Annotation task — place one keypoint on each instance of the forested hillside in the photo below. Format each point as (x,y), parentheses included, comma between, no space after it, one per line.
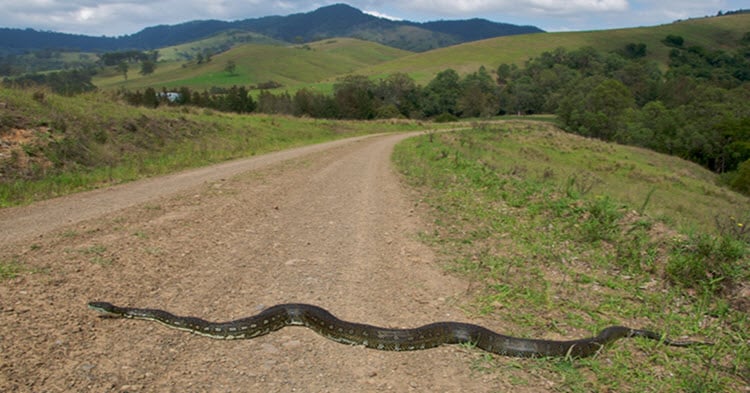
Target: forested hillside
(338,20)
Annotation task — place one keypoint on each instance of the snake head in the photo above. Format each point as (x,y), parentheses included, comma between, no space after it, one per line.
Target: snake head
(107,309)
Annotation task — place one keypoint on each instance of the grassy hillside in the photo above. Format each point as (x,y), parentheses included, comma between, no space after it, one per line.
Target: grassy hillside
(214,44)
(717,32)
(292,66)
(317,64)
(53,145)
(561,236)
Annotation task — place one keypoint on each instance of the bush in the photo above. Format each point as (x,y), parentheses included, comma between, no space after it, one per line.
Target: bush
(674,41)
(740,180)
(445,118)
(707,262)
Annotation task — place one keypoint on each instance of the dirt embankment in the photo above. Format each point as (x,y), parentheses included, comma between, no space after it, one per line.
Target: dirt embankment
(331,226)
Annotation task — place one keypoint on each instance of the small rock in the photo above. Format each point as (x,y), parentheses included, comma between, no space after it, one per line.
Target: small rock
(291,344)
(269,348)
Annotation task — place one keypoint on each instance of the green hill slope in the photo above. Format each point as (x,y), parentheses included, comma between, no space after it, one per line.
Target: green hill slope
(561,235)
(215,44)
(321,62)
(716,32)
(291,66)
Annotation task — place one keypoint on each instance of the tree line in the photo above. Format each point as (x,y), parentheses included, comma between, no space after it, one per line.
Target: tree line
(67,83)
(236,99)
(695,109)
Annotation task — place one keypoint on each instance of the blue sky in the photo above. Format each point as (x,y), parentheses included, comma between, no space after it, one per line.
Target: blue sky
(119,17)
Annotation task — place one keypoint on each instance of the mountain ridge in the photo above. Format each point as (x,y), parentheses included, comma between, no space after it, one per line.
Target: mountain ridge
(338,20)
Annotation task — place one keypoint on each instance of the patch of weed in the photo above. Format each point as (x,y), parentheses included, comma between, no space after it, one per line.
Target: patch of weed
(571,252)
(10,269)
(98,254)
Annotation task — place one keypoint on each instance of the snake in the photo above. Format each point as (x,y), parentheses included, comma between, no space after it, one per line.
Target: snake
(388,339)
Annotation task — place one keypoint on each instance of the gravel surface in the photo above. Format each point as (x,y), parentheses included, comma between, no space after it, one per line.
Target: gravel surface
(329,224)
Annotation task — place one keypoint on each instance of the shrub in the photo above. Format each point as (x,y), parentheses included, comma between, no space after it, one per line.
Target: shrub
(445,118)
(741,178)
(707,262)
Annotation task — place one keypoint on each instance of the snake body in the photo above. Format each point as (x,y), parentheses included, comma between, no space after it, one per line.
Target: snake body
(427,336)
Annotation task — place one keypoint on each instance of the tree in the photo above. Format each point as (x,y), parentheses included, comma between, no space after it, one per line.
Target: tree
(643,78)
(596,107)
(269,103)
(441,94)
(400,92)
(634,51)
(310,103)
(504,72)
(479,95)
(148,67)
(61,82)
(239,100)
(230,67)
(122,67)
(150,99)
(185,96)
(354,96)
(741,179)
(674,41)
(522,97)
(609,98)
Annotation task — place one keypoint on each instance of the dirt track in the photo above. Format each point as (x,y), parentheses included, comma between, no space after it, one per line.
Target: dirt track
(331,225)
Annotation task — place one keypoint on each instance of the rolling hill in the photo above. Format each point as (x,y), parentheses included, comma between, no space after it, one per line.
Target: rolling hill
(722,32)
(291,66)
(318,64)
(338,20)
(217,43)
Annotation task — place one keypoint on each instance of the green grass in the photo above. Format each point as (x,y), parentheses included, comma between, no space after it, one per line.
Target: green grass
(720,33)
(9,269)
(317,65)
(92,141)
(214,44)
(98,254)
(292,66)
(545,226)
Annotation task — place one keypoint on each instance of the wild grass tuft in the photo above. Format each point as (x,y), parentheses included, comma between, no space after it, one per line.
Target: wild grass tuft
(569,251)
(9,269)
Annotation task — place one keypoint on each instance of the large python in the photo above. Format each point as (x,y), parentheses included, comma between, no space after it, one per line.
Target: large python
(427,336)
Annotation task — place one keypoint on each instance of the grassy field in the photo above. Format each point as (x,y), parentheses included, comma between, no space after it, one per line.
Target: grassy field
(292,66)
(67,144)
(317,65)
(213,44)
(562,236)
(716,33)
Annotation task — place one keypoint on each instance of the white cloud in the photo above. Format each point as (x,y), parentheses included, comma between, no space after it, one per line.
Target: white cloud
(381,15)
(476,7)
(576,6)
(117,17)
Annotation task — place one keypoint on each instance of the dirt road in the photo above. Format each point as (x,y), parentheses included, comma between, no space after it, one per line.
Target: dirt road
(330,225)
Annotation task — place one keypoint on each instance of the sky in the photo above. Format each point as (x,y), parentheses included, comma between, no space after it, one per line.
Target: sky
(122,17)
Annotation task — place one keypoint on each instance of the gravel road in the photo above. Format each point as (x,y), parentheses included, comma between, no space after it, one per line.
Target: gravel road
(329,224)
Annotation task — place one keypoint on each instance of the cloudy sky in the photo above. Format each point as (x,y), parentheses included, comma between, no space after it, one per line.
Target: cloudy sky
(120,17)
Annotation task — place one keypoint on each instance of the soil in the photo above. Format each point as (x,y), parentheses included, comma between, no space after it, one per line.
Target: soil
(329,224)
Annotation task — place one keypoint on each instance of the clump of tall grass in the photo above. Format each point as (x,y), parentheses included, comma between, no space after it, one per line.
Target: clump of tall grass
(548,245)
